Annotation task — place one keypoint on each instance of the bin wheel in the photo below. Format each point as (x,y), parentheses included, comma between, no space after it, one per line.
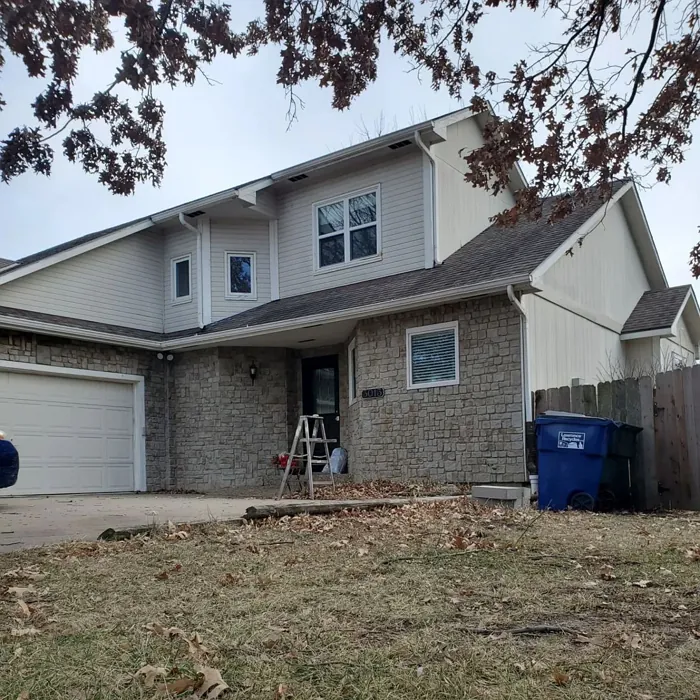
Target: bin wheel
(582,501)
(606,500)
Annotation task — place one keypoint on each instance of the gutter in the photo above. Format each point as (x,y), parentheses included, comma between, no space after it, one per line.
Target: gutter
(524,370)
(212,338)
(357,312)
(433,195)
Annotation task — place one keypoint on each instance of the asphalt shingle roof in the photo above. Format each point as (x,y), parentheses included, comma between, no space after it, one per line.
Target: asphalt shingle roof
(496,255)
(4,262)
(656,310)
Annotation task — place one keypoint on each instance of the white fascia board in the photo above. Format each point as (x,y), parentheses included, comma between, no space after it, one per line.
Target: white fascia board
(582,230)
(647,236)
(368,310)
(205,339)
(23,270)
(656,332)
(693,324)
(58,329)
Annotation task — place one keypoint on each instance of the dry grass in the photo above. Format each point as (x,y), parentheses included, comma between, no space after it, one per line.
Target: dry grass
(376,605)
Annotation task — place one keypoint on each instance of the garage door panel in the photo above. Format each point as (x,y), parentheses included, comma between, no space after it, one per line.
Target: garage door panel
(119,449)
(73,435)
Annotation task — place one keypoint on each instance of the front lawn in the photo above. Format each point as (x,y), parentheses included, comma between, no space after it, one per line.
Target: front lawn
(426,601)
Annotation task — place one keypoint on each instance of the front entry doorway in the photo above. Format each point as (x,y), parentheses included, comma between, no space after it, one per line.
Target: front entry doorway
(319,393)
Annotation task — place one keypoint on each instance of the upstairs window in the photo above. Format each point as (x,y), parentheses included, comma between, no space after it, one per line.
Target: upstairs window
(240,276)
(182,279)
(432,355)
(347,229)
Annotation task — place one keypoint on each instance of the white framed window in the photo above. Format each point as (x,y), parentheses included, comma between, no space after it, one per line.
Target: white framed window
(352,371)
(240,276)
(432,355)
(181,274)
(347,230)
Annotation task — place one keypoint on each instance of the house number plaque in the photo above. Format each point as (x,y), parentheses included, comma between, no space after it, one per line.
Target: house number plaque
(372,393)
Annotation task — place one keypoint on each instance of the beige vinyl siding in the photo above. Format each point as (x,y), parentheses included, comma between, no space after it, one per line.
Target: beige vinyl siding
(605,273)
(400,177)
(238,237)
(120,283)
(179,316)
(463,211)
(604,277)
(563,345)
(681,344)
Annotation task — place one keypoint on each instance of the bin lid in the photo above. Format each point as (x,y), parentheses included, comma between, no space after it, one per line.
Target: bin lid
(550,418)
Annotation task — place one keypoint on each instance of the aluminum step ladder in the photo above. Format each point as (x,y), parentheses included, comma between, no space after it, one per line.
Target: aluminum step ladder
(311,431)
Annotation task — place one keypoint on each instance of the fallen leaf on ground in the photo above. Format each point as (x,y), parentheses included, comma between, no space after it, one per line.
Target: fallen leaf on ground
(195,644)
(162,576)
(607,576)
(231,579)
(26,612)
(149,674)
(212,684)
(362,551)
(643,583)
(24,632)
(559,678)
(179,535)
(179,686)
(21,592)
(24,695)
(693,554)
(282,692)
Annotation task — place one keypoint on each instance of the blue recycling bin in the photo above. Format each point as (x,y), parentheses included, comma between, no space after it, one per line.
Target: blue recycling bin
(9,464)
(583,462)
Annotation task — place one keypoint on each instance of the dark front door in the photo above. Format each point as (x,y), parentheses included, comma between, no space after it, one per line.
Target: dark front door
(319,393)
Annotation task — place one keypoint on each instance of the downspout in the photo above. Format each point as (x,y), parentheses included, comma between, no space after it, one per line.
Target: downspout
(433,172)
(200,283)
(524,370)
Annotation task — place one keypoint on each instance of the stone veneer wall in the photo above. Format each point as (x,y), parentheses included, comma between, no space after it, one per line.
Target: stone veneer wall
(470,432)
(225,429)
(60,352)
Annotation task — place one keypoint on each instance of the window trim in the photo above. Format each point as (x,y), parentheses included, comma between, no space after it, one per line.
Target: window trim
(422,330)
(347,262)
(173,279)
(352,370)
(241,296)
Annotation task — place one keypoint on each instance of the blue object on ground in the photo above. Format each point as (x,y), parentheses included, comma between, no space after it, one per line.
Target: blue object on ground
(576,455)
(9,464)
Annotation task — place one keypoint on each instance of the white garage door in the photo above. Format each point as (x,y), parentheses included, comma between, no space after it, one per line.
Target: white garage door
(73,435)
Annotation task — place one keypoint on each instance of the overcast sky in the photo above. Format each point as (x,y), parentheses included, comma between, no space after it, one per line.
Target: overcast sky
(220,136)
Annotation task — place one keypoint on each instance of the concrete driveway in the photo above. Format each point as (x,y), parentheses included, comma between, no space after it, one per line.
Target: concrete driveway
(31,521)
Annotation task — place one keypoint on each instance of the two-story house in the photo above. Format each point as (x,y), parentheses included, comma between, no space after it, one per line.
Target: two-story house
(178,350)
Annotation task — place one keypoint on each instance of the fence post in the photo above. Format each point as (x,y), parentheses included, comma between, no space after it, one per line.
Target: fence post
(590,404)
(577,399)
(564,399)
(619,401)
(605,400)
(644,465)
(693,430)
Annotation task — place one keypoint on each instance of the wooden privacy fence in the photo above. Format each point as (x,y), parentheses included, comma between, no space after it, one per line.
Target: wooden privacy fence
(666,472)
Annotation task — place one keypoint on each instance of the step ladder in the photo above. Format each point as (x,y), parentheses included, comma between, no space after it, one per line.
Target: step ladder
(310,432)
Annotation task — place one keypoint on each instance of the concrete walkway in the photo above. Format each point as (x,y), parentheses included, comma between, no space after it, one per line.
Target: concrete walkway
(32,521)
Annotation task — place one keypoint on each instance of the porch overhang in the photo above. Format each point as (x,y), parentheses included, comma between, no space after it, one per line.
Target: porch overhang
(295,332)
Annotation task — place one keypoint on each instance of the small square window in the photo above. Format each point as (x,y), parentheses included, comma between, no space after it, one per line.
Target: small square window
(240,276)
(182,279)
(432,355)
